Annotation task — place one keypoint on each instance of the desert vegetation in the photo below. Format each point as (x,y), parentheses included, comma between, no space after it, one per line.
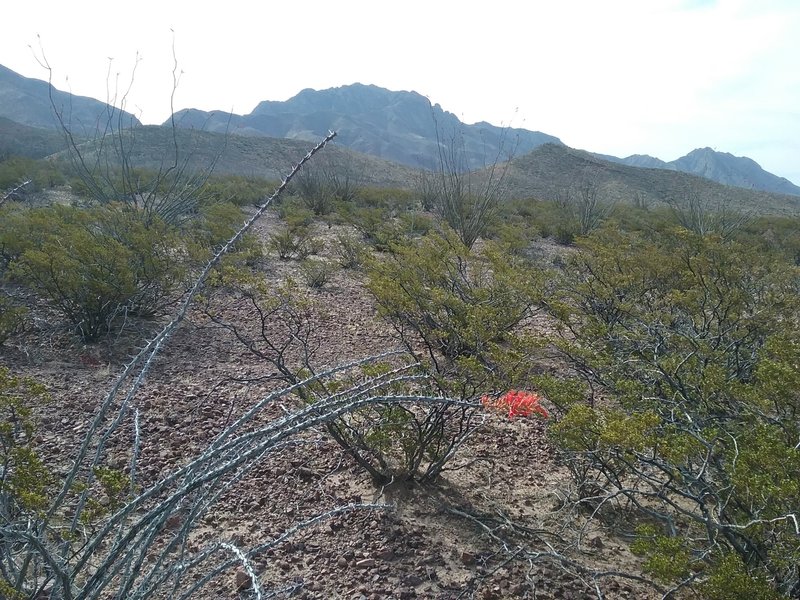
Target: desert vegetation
(219,386)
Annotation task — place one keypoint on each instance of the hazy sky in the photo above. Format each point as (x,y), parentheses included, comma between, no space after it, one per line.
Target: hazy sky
(658,77)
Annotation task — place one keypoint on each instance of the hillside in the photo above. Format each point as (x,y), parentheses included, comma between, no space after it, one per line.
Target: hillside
(545,173)
(31,142)
(390,132)
(553,169)
(397,126)
(722,167)
(270,158)
(27,101)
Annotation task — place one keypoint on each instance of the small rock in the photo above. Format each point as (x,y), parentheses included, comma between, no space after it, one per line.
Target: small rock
(242,580)
(341,562)
(365,563)
(386,554)
(173,522)
(467,558)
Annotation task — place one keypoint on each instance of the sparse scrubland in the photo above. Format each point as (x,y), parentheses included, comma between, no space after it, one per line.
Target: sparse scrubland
(387,393)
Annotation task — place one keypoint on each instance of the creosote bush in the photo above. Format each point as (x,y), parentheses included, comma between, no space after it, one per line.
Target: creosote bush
(351,252)
(11,318)
(296,242)
(316,273)
(693,343)
(96,264)
(464,307)
(234,189)
(99,264)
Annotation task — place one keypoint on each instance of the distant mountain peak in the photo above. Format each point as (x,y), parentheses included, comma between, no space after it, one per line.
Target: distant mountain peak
(722,167)
(402,126)
(739,171)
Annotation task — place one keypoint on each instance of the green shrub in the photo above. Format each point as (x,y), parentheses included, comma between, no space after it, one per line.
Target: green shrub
(41,173)
(378,226)
(24,481)
(462,305)
(11,318)
(294,242)
(693,343)
(731,581)
(397,443)
(97,264)
(295,214)
(215,225)
(235,189)
(350,251)
(316,273)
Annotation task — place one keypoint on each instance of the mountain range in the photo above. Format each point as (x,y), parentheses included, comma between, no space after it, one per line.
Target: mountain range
(387,132)
(399,126)
(404,127)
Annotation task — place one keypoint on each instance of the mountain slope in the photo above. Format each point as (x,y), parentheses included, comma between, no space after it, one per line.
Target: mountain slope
(27,101)
(270,158)
(398,126)
(733,170)
(32,142)
(545,173)
(551,170)
(722,167)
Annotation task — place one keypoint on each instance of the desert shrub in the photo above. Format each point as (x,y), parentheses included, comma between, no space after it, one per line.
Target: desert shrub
(216,223)
(41,173)
(350,251)
(468,202)
(565,233)
(330,180)
(548,218)
(396,442)
(396,200)
(463,306)
(294,242)
(779,234)
(704,216)
(235,189)
(693,343)
(11,318)
(408,441)
(316,273)
(294,214)
(377,225)
(415,224)
(96,264)
(514,235)
(24,479)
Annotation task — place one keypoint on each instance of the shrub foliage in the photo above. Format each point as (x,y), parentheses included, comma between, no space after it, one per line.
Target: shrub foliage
(691,344)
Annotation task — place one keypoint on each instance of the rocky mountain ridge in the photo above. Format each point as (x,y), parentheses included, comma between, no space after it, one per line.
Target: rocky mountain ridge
(722,167)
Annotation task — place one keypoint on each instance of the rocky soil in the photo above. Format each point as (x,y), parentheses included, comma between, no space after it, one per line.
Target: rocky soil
(484,530)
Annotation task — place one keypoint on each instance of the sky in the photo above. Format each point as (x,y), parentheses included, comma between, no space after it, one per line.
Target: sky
(621,77)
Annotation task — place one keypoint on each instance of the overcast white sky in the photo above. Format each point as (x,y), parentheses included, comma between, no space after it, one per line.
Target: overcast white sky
(658,77)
